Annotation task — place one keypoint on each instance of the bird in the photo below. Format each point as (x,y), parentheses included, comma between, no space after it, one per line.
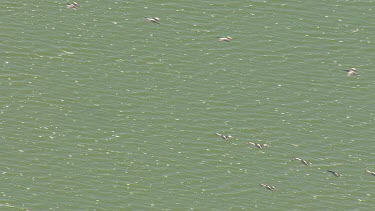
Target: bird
(370,172)
(153,20)
(271,188)
(351,72)
(303,161)
(225,39)
(225,137)
(335,173)
(73,5)
(260,146)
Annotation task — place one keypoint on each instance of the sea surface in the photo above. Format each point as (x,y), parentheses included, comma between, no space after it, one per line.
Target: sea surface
(101,110)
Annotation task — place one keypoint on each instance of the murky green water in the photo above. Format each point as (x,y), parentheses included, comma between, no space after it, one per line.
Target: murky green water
(100,110)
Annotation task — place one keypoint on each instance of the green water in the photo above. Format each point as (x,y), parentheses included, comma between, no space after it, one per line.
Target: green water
(100,110)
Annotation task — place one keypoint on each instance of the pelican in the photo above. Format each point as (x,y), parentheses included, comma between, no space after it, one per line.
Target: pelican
(335,173)
(225,137)
(153,20)
(352,72)
(272,188)
(73,5)
(225,39)
(303,161)
(370,172)
(260,146)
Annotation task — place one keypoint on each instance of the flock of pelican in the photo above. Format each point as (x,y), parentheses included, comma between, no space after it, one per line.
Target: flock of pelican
(74,5)
(305,162)
(350,72)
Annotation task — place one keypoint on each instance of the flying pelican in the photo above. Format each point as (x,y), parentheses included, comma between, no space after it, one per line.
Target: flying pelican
(225,39)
